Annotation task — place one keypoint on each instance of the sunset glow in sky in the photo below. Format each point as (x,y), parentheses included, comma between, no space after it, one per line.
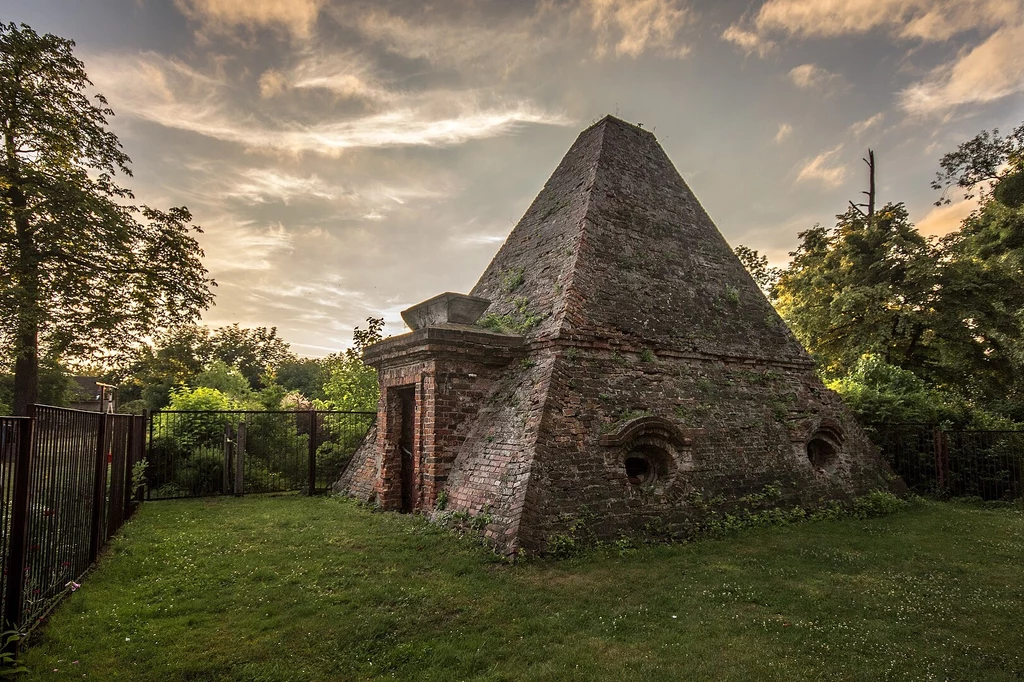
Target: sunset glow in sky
(348,159)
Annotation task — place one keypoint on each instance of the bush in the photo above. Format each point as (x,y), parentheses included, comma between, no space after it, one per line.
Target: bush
(202,473)
(205,428)
(273,442)
(877,503)
(880,393)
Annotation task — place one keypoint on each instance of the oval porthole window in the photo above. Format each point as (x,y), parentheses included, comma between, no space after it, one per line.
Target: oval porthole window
(638,470)
(822,453)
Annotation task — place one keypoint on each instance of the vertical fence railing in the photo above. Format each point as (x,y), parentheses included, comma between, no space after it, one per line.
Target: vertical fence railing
(67,488)
(948,463)
(202,453)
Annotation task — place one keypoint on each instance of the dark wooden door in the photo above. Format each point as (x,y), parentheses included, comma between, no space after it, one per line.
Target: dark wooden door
(407,445)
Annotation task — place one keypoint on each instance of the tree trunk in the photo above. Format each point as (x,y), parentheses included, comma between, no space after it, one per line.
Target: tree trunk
(26,340)
(871,184)
(26,368)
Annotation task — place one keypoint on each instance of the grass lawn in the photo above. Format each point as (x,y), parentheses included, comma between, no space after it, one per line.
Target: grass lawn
(292,588)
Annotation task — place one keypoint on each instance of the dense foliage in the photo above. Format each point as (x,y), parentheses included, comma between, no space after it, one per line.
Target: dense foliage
(199,374)
(908,328)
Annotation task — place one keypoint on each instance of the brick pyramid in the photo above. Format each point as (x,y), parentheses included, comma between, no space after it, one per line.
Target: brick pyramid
(629,377)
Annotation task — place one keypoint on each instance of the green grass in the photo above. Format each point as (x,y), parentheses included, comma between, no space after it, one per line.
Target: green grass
(292,588)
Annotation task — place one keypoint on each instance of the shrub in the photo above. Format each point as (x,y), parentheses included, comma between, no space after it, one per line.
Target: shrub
(205,427)
(202,473)
(877,503)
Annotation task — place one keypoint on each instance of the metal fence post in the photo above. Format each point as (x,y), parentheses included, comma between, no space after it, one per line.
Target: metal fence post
(312,452)
(140,453)
(99,489)
(149,414)
(940,470)
(240,459)
(18,543)
(225,486)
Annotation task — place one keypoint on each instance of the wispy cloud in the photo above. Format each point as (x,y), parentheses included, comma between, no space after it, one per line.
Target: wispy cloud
(296,16)
(785,130)
(233,245)
(990,71)
(860,127)
(632,27)
(942,220)
(811,77)
(822,168)
(748,41)
(925,20)
(173,95)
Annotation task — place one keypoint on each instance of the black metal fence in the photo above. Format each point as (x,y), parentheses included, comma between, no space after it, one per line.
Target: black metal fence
(67,488)
(201,453)
(941,463)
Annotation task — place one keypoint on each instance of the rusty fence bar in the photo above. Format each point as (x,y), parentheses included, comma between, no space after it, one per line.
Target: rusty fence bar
(66,478)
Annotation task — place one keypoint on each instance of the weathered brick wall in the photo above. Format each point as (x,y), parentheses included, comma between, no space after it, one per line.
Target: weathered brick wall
(452,371)
(652,267)
(746,423)
(491,473)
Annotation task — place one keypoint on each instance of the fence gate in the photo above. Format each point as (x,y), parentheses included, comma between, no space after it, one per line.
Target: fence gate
(195,453)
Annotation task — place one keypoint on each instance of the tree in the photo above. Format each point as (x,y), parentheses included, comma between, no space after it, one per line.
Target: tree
(981,162)
(254,351)
(305,375)
(983,273)
(757,265)
(176,357)
(352,384)
(867,286)
(84,272)
(226,379)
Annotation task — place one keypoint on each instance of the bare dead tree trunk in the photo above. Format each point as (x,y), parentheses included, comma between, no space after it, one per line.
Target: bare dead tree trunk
(870,206)
(870,161)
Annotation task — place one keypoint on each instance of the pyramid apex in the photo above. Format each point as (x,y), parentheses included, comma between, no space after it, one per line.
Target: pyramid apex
(610,120)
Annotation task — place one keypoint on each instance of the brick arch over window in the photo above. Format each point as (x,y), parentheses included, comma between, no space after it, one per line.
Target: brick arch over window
(650,428)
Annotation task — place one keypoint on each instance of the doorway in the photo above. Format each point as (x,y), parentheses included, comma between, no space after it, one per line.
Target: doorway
(407,446)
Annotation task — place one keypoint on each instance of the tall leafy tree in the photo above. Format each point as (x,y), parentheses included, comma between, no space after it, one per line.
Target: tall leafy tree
(983,272)
(351,384)
(254,351)
(869,285)
(984,161)
(83,271)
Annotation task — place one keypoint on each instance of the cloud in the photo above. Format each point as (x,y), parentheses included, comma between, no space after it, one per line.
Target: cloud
(821,169)
(811,77)
(272,83)
(169,93)
(262,185)
(990,71)
(922,20)
(631,27)
(860,127)
(469,38)
(296,16)
(748,41)
(248,191)
(942,220)
(233,245)
(785,130)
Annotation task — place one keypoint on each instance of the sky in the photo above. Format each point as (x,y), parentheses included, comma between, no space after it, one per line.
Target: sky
(351,159)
